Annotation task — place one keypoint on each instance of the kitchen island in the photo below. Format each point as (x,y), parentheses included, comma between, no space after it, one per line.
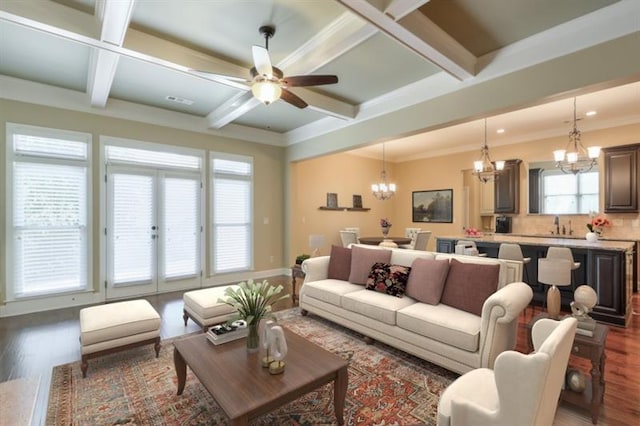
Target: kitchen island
(605,265)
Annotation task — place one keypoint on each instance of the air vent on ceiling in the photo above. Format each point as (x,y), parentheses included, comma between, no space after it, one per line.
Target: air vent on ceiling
(179,100)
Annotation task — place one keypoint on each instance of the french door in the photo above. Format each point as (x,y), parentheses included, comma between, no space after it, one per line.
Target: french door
(154,231)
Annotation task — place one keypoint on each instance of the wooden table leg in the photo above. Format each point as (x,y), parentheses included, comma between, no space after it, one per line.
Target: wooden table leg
(240,421)
(596,387)
(181,370)
(340,385)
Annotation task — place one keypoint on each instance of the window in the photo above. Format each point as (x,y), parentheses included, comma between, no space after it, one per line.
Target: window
(568,193)
(231,198)
(49,177)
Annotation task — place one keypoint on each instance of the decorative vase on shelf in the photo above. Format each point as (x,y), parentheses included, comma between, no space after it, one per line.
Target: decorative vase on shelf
(385,231)
(592,237)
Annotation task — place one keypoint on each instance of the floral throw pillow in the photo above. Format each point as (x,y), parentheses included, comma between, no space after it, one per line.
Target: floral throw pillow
(390,279)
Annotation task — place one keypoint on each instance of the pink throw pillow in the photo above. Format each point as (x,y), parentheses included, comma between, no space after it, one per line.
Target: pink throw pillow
(426,280)
(468,285)
(362,260)
(339,263)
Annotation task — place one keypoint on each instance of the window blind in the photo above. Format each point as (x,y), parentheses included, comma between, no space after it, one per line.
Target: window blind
(181,227)
(49,215)
(232,188)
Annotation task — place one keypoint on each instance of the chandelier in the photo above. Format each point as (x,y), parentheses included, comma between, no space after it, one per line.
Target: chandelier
(484,168)
(575,158)
(383,191)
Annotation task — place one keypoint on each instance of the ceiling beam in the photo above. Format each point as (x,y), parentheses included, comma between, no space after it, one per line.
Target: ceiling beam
(430,42)
(115,17)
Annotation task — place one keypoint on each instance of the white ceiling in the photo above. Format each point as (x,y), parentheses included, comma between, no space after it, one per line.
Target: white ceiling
(388,55)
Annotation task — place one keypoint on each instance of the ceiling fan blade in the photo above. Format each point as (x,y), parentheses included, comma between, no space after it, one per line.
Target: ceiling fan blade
(262,62)
(309,80)
(293,99)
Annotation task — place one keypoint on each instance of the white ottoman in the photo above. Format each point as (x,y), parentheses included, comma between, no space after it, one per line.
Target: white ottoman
(203,308)
(117,326)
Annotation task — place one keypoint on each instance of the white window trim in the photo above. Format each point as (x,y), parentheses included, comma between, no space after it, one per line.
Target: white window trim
(11,130)
(232,157)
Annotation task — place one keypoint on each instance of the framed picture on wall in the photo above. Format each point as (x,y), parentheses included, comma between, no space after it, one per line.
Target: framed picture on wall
(433,206)
(332,200)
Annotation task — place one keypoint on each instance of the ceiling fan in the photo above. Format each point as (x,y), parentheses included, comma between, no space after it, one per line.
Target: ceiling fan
(269,84)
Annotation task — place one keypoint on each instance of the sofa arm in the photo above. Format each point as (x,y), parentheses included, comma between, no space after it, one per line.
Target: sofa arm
(499,324)
(316,268)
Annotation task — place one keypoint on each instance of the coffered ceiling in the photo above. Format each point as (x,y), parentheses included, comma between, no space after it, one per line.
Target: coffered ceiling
(165,61)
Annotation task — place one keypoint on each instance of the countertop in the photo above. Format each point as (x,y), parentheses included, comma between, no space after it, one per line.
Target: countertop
(571,242)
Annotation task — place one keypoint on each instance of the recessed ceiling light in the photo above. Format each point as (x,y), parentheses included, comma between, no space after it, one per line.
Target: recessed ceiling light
(500,131)
(591,113)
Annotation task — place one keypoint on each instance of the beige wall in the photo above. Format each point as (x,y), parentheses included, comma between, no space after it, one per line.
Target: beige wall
(347,174)
(268,172)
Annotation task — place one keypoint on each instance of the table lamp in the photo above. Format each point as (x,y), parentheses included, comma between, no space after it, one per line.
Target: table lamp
(554,272)
(316,241)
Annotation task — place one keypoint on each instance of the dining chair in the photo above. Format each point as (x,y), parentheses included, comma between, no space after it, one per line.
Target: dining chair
(348,238)
(422,238)
(410,233)
(354,229)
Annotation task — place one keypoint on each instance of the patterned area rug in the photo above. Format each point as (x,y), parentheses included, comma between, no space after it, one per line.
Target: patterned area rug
(386,387)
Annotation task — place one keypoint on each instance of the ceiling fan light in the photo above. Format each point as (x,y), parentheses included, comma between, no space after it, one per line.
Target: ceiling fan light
(266,91)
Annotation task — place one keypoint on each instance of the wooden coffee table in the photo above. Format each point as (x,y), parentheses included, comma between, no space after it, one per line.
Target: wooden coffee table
(245,390)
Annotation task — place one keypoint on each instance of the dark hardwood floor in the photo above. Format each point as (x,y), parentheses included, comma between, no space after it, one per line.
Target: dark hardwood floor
(31,345)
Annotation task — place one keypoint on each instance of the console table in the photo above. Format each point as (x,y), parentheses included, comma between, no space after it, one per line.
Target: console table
(591,348)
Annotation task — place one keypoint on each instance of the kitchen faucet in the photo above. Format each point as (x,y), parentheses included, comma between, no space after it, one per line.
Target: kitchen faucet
(556,222)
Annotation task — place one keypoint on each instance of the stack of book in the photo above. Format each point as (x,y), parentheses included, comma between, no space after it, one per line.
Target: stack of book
(227,332)
(586,328)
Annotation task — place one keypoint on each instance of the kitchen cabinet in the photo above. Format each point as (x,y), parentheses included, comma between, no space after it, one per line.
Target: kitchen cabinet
(486,199)
(507,188)
(621,179)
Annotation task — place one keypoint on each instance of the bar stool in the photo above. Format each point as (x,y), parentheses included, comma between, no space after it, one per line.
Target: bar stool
(554,272)
(564,253)
(514,252)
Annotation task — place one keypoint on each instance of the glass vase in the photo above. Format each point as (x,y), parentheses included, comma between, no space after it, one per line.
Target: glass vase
(253,338)
(385,231)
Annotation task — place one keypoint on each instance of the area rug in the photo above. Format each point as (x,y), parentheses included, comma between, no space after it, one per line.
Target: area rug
(386,387)
(17,401)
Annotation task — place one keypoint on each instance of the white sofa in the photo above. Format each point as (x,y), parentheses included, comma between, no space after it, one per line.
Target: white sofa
(452,338)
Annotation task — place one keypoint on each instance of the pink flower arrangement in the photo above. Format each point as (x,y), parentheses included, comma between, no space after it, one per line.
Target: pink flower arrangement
(598,224)
(384,222)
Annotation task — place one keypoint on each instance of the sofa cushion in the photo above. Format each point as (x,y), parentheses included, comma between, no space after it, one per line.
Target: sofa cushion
(442,323)
(339,263)
(377,306)
(427,279)
(330,291)
(389,279)
(468,285)
(362,260)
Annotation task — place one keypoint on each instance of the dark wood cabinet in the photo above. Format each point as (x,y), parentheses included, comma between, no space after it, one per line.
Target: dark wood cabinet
(507,188)
(621,179)
(535,191)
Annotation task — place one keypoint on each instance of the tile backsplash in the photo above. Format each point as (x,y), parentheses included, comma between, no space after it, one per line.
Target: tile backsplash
(623,225)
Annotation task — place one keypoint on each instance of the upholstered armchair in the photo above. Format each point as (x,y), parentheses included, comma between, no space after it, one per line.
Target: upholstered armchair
(520,390)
